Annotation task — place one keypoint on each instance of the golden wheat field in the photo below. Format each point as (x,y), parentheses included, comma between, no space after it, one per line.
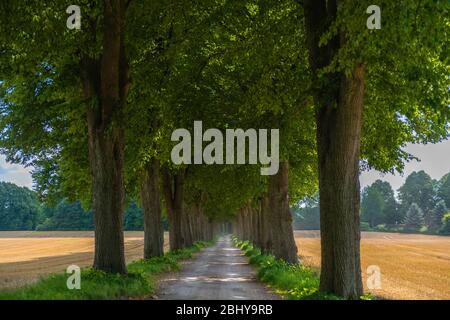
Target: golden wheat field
(412,266)
(25,256)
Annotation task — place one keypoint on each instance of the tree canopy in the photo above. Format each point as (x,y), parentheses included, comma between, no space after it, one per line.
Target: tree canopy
(92,111)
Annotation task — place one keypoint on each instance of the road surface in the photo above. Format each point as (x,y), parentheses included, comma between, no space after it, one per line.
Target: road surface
(221,272)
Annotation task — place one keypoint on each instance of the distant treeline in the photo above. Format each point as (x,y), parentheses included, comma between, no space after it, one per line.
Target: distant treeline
(422,205)
(20,209)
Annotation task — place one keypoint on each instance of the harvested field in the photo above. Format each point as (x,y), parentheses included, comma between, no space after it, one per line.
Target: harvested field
(25,256)
(412,266)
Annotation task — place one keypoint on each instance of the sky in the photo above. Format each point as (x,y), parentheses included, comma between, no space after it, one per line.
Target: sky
(14,173)
(435,160)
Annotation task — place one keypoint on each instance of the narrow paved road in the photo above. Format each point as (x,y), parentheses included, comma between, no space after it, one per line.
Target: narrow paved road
(219,272)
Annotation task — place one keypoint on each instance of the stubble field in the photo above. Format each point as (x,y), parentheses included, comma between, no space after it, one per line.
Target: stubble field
(412,266)
(25,256)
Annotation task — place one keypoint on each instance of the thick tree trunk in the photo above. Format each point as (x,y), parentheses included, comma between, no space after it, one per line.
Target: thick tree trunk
(339,118)
(151,206)
(173,194)
(108,200)
(199,223)
(338,149)
(106,80)
(283,243)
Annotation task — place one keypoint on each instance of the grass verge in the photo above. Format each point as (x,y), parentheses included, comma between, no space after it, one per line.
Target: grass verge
(140,280)
(293,282)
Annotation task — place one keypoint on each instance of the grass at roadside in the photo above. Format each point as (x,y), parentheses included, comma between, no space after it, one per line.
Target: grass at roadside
(293,282)
(140,280)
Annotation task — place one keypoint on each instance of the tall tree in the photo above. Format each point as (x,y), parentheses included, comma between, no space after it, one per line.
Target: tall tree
(372,206)
(53,73)
(19,208)
(351,67)
(418,188)
(105,87)
(414,218)
(283,242)
(437,214)
(173,186)
(339,101)
(387,211)
(444,189)
(150,200)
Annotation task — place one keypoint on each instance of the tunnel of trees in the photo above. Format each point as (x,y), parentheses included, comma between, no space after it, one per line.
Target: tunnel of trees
(92,112)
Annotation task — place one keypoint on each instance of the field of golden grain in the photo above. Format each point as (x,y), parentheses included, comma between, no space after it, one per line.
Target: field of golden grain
(412,266)
(25,256)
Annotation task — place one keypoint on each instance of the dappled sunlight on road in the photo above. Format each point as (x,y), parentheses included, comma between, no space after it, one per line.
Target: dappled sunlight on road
(219,272)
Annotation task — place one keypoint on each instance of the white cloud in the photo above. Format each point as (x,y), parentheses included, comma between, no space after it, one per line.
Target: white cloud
(15,173)
(435,160)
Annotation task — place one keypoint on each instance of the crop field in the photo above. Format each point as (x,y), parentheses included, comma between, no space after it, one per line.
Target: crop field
(25,256)
(412,266)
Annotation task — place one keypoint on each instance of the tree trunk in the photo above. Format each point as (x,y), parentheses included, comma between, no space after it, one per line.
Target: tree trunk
(339,118)
(108,200)
(338,150)
(255,221)
(106,80)
(199,223)
(283,246)
(173,194)
(266,231)
(186,227)
(151,206)
(245,223)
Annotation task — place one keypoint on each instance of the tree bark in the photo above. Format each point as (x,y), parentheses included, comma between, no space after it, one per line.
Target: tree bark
(339,100)
(338,151)
(151,206)
(173,195)
(198,223)
(106,80)
(186,227)
(266,231)
(283,242)
(255,222)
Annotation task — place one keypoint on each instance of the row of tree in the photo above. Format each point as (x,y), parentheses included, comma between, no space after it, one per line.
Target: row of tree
(21,209)
(92,111)
(422,202)
(383,210)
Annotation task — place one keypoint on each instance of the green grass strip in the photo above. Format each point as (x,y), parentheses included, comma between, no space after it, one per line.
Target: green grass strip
(97,285)
(291,281)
